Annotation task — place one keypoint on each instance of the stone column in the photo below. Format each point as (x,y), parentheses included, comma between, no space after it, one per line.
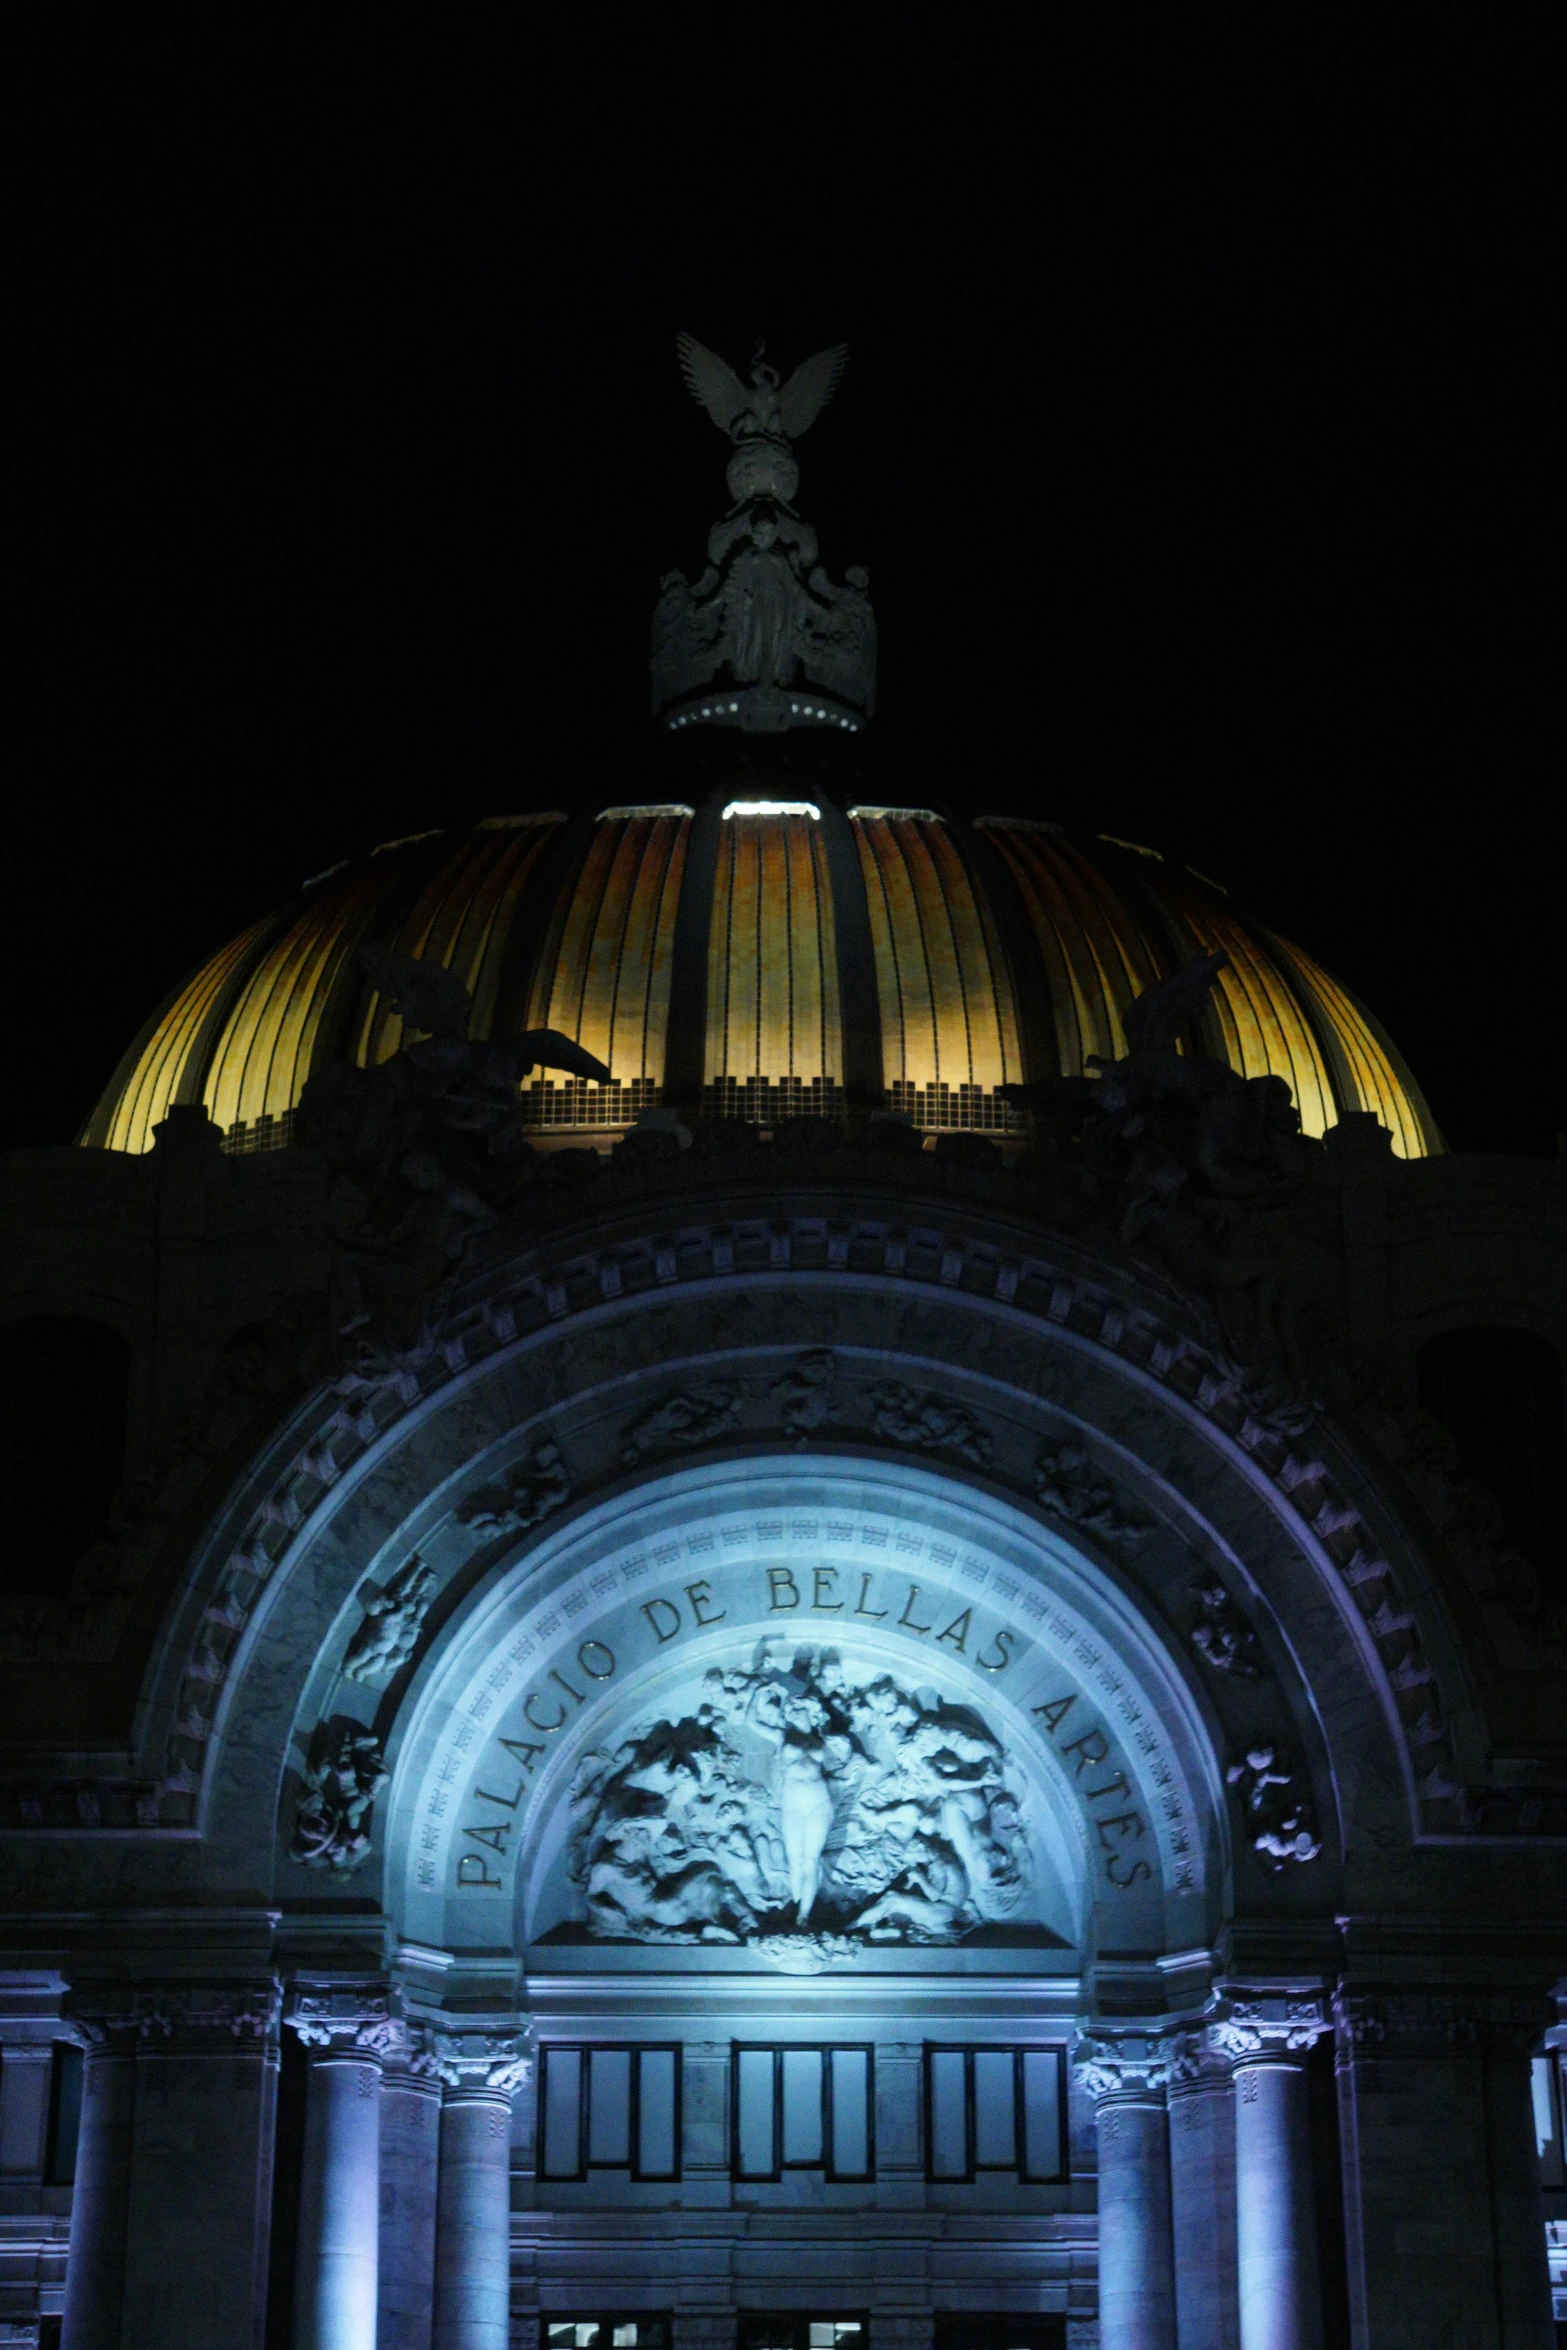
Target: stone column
(473,2219)
(348,2029)
(1268,2041)
(1201,2099)
(100,2199)
(1442,2212)
(1126,2080)
(199,2209)
(410,2172)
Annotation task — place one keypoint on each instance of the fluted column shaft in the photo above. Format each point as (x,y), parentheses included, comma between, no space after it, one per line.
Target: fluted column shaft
(1136,2248)
(1202,2201)
(100,2200)
(339,2202)
(410,2170)
(473,2222)
(1276,2220)
(473,2215)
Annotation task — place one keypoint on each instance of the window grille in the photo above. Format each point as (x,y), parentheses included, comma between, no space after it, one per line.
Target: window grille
(609,2108)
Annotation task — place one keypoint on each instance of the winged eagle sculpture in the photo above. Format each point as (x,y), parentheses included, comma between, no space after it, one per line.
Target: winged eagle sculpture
(767,408)
(429,997)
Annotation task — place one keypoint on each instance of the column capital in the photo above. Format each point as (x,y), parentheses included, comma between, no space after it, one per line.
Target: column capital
(175,2018)
(1424,2020)
(481,2063)
(1261,2025)
(351,2016)
(1127,2065)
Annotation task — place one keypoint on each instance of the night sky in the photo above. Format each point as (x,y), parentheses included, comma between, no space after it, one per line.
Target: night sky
(1202,435)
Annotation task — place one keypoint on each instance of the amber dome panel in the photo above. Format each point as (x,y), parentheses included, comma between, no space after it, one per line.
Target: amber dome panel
(757,960)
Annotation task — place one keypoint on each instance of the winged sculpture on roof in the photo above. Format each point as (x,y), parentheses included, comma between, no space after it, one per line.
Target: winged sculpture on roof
(766,408)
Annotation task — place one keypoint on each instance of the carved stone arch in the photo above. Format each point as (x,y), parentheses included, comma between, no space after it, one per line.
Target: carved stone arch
(899,1571)
(989,1375)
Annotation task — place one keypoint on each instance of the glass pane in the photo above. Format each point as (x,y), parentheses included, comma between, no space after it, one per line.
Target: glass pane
(850,2112)
(656,2118)
(1547,2121)
(1041,2114)
(948,2135)
(609,2105)
(995,2120)
(802,2105)
(755,2100)
(562,2113)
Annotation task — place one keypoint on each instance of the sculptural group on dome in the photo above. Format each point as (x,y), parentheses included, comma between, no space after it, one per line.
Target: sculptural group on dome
(799,1800)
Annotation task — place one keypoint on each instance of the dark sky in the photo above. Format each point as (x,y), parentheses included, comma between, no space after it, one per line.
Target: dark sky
(1202,434)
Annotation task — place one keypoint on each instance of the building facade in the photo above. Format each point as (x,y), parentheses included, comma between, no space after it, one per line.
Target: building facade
(779,1573)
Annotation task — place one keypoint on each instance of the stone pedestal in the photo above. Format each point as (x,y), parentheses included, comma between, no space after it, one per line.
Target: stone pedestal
(1442,2213)
(100,2200)
(473,2215)
(199,2206)
(410,2170)
(1126,2080)
(1201,2099)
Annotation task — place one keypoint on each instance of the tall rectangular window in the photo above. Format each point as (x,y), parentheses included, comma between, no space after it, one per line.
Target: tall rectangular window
(995,2111)
(803,2109)
(1546,2083)
(609,2108)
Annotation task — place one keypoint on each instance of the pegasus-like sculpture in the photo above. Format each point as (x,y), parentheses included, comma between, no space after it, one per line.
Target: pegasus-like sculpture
(768,409)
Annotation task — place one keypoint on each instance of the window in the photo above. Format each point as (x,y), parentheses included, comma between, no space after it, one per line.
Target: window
(609,2109)
(606,2333)
(1000,2333)
(64,1385)
(802,2109)
(787,2331)
(995,2110)
(1498,1393)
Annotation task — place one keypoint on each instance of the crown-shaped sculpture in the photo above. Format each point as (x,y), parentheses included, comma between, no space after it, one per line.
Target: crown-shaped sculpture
(764,640)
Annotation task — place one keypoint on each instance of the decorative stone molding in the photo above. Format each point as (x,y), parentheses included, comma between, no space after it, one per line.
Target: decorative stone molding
(347,2016)
(806,1393)
(1134,2065)
(1129,1322)
(1416,2022)
(337,1798)
(1222,1637)
(925,1423)
(1278,1819)
(682,1422)
(393,1620)
(176,2017)
(475,2061)
(1290,2023)
(525,1496)
(1068,1486)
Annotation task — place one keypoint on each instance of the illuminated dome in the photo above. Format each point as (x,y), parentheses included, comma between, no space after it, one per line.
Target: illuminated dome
(758,959)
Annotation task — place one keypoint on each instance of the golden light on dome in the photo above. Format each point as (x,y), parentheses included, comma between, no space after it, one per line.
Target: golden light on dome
(1008,953)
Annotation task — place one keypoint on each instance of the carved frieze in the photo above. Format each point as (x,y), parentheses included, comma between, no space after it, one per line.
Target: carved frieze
(1278,1812)
(527,1495)
(338,1789)
(928,1423)
(704,1415)
(807,1393)
(393,1620)
(1069,1487)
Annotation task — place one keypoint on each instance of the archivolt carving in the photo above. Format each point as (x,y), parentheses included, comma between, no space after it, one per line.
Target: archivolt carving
(928,1424)
(1193,1371)
(524,1497)
(806,1802)
(1068,1486)
(393,1621)
(338,1792)
(1222,1637)
(1278,1816)
(682,1422)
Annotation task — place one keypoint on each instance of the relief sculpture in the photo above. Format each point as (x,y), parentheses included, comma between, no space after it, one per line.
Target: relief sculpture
(802,1801)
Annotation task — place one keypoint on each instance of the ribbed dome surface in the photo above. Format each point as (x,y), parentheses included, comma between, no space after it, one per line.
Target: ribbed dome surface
(759,959)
